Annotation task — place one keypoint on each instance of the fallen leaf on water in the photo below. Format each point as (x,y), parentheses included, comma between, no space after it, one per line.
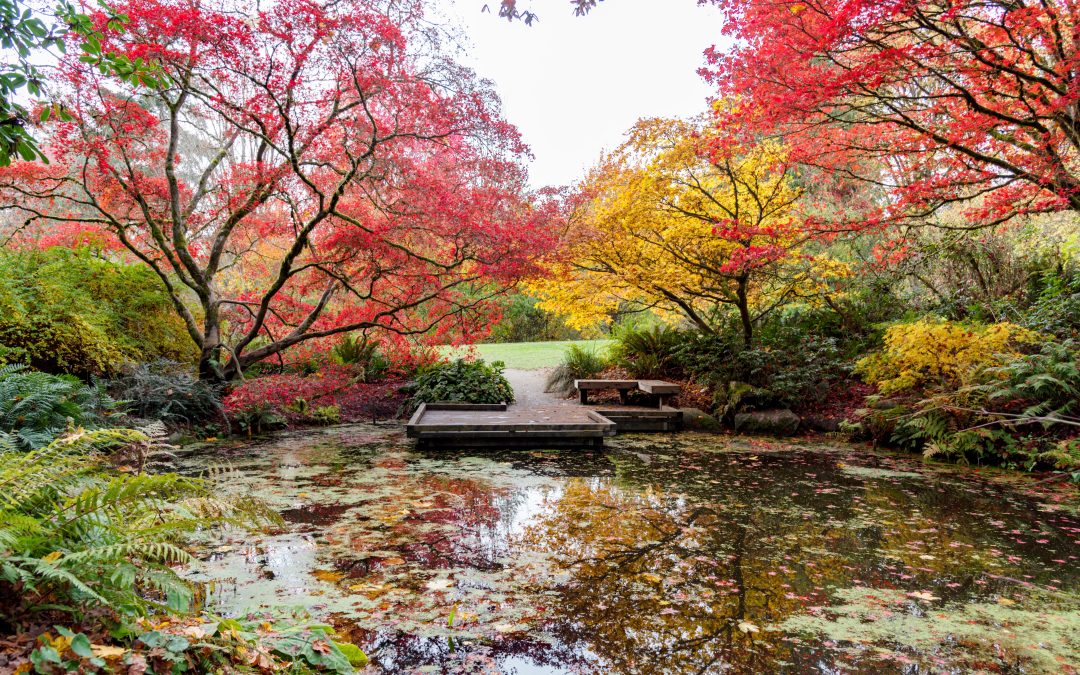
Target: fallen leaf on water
(328,575)
(439,584)
(923,595)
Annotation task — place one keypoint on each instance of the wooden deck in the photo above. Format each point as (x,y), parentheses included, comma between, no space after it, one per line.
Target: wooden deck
(461,425)
(545,421)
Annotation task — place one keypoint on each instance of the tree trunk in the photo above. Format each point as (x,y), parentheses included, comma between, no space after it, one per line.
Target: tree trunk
(210,357)
(743,303)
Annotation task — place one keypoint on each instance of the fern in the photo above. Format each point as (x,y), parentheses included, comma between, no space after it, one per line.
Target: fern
(578,364)
(648,352)
(1046,383)
(74,535)
(35,407)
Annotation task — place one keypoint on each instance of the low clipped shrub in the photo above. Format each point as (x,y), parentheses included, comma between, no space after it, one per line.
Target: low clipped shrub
(462,381)
(35,407)
(169,392)
(932,355)
(647,352)
(579,363)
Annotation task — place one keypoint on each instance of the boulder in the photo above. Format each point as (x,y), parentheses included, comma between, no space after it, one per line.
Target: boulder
(768,422)
(821,423)
(695,419)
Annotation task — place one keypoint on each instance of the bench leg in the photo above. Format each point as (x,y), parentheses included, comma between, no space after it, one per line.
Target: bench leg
(663,399)
(624,396)
(583,396)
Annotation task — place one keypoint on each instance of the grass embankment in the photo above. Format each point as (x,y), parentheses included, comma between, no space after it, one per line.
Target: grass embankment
(526,355)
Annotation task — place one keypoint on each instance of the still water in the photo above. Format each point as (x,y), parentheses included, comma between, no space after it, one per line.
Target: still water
(660,554)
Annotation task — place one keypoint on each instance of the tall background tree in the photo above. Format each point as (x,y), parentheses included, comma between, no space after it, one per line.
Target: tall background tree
(940,102)
(666,224)
(308,169)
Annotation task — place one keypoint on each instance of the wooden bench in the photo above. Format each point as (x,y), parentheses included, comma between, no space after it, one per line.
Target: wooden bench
(660,389)
(585,386)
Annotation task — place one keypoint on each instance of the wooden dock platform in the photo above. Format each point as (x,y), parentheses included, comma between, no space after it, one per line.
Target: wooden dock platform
(465,425)
(542,420)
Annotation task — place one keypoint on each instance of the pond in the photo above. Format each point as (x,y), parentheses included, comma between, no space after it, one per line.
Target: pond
(660,554)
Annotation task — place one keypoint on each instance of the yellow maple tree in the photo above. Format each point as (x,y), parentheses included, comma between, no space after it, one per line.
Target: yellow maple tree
(671,222)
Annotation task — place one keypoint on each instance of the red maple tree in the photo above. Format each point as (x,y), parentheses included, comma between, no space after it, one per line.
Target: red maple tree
(936,101)
(309,169)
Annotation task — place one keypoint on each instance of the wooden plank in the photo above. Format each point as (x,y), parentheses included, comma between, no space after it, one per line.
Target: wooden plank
(504,433)
(448,405)
(605,384)
(658,387)
(414,420)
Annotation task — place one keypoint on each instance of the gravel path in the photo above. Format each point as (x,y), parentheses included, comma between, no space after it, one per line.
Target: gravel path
(529,388)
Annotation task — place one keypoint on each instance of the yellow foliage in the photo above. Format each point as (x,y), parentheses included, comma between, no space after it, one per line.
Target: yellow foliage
(670,226)
(940,355)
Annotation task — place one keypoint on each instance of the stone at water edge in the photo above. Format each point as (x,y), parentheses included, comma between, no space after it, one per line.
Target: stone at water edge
(695,419)
(768,422)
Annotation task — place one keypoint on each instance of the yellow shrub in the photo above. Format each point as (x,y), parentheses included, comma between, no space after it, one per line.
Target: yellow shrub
(931,355)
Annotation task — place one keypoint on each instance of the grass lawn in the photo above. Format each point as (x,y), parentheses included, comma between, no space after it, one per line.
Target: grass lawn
(527,355)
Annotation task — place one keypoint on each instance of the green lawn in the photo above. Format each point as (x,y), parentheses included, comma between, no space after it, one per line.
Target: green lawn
(526,355)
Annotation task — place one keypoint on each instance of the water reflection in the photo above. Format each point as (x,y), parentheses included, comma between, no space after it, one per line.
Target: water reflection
(690,554)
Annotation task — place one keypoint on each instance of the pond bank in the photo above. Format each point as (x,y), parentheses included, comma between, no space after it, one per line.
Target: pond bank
(686,553)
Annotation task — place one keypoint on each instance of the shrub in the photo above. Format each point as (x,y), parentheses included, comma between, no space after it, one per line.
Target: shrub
(166,391)
(579,363)
(647,352)
(462,381)
(35,406)
(787,368)
(1055,309)
(931,355)
(70,311)
(523,321)
(273,401)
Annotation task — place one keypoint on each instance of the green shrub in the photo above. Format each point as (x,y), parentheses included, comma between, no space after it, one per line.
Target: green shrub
(1055,309)
(35,406)
(462,381)
(70,311)
(647,352)
(579,363)
(523,321)
(787,370)
(167,391)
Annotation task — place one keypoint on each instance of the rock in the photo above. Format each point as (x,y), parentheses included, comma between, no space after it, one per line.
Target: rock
(821,423)
(696,419)
(768,422)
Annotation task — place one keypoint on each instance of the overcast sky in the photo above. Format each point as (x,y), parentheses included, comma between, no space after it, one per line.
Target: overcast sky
(573,85)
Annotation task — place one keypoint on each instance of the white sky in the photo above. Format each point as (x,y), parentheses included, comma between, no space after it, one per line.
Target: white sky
(574,85)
